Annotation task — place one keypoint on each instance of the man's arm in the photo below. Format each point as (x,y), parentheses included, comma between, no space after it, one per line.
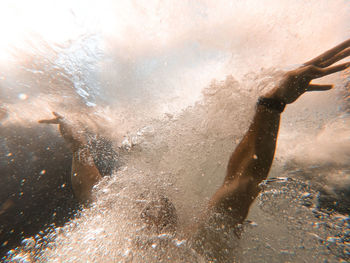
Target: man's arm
(248,165)
(84,173)
(251,161)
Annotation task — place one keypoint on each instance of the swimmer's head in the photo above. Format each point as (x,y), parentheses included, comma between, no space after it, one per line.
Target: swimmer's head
(160,215)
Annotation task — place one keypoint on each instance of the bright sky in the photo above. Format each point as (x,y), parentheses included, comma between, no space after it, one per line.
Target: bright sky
(177,45)
(157,23)
(54,21)
(254,33)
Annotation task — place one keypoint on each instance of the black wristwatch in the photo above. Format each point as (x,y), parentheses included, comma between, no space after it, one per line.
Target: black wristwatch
(272,104)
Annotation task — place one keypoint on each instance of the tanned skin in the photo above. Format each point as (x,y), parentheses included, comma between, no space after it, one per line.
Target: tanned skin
(251,161)
(84,171)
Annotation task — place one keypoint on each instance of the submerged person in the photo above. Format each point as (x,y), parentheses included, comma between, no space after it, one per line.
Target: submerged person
(248,165)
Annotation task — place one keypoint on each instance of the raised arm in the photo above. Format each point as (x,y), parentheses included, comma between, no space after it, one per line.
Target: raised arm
(84,173)
(251,161)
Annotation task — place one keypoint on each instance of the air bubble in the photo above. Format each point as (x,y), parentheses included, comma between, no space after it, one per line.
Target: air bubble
(22,96)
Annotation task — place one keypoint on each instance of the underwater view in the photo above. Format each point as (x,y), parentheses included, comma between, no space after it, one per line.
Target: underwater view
(162,93)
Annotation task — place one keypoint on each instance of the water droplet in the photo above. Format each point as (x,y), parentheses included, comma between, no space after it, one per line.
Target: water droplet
(306,194)
(179,242)
(332,239)
(28,242)
(22,96)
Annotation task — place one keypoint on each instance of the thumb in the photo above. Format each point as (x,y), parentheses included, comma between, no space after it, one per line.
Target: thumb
(58,116)
(51,121)
(319,87)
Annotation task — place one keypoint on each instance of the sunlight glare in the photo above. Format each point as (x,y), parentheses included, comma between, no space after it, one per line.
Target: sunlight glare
(23,22)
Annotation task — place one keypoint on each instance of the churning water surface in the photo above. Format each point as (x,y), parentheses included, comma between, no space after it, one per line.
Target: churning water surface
(173,86)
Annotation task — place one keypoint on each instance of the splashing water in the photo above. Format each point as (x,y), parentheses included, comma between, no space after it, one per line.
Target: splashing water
(141,74)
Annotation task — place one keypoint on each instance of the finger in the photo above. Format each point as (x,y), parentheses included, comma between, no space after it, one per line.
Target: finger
(51,121)
(328,54)
(316,72)
(337,68)
(57,115)
(318,87)
(345,53)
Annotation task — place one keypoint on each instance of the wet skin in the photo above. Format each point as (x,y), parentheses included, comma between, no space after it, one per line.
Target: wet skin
(84,173)
(250,162)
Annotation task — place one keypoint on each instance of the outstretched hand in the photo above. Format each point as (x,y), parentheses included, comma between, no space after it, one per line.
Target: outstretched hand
(297,82)
(73,136)
(57,120)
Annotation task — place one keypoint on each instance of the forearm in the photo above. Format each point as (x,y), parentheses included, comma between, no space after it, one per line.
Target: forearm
(248,165)
(73,136)
(84,171)
(84,174)
(254,155)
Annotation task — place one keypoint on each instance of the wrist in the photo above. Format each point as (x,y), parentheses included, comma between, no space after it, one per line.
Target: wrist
(275,94)
(271,104)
